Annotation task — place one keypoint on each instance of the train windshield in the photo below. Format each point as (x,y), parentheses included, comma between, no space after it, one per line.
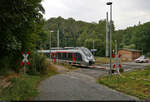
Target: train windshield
(86,52)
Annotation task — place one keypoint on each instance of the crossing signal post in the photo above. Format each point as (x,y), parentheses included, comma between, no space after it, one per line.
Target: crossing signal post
(117,64)
(25,60)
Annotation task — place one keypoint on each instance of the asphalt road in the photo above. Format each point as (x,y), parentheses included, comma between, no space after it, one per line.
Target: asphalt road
(79,84)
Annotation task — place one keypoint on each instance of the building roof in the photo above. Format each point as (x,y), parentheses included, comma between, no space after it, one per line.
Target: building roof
(133,50)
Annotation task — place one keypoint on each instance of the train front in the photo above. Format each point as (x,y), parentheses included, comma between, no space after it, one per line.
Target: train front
(89,59)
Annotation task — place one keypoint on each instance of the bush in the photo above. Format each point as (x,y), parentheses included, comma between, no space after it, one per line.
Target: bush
(5,67)
(38,64)
(121,70)
(148,54)
(10,63)
(21,88)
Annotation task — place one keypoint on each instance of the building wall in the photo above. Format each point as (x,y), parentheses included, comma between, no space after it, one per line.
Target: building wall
(136,55)
(125,55)
(128,55)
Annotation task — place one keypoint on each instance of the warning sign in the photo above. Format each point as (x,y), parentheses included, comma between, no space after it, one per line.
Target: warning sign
(25,60)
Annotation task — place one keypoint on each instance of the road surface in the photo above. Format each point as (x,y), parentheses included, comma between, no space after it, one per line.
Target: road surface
(78,85)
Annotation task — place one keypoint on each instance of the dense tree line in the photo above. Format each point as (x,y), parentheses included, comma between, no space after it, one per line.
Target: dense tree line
(136,37)
(79,33)
(21,24)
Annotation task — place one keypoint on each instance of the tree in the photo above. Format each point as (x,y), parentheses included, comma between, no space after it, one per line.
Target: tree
(20,24)
(78,33)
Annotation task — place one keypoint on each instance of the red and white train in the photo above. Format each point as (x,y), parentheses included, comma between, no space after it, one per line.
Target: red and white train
(71,55)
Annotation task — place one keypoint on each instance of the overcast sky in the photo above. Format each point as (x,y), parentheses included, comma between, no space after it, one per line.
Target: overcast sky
(125,12)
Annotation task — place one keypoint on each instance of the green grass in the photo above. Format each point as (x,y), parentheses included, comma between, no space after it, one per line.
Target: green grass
(70,67)
(23,87)
(102,60)
(136,83)
(67,66)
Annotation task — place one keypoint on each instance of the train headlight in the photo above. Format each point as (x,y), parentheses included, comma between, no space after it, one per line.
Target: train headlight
(88,58)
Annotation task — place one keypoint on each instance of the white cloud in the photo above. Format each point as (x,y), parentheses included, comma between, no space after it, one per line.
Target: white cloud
(125,12)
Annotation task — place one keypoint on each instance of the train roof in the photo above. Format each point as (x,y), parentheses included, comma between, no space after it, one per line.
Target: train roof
(60,49)
(66,48)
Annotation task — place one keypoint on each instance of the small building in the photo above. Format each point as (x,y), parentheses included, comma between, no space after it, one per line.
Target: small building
(129,54)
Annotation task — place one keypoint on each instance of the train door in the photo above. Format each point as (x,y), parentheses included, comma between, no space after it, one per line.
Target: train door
(54,57)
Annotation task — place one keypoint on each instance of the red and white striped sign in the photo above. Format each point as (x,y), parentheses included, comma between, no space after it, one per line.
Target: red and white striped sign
(25,60)
(117,61)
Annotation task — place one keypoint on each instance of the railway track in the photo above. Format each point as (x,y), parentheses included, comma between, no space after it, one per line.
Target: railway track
(91,67)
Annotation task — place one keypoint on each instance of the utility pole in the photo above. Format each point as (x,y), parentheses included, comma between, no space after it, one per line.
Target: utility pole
(116,47)
(50,43)
(58,38)
(110,3)
(107,30)
(93,47)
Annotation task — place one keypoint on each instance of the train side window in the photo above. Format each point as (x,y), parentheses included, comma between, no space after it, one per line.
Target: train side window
(56,55)
(62,56)
(59,55)
(76,56)
(79,57)
(70,56)
(65,56)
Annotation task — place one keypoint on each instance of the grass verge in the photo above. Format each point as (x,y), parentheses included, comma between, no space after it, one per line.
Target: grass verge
(102,60)
(67,66)
(24,87)
(136,83)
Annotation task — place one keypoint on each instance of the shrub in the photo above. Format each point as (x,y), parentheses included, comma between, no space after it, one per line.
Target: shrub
(21,88)
(148,54)
(5,67)
(38,64)
(121,70)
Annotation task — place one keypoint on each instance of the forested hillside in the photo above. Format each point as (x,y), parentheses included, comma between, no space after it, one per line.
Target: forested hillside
(79,33)
(136,37)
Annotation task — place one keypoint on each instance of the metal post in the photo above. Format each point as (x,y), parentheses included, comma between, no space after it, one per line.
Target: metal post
(107,52)
(111,40)
(58,38)
(24,68)
(50,43)
(93,47)
(57,43)
(110,3)
(116,47)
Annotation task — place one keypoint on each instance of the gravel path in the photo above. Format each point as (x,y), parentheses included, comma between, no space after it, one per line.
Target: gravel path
(76,85)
